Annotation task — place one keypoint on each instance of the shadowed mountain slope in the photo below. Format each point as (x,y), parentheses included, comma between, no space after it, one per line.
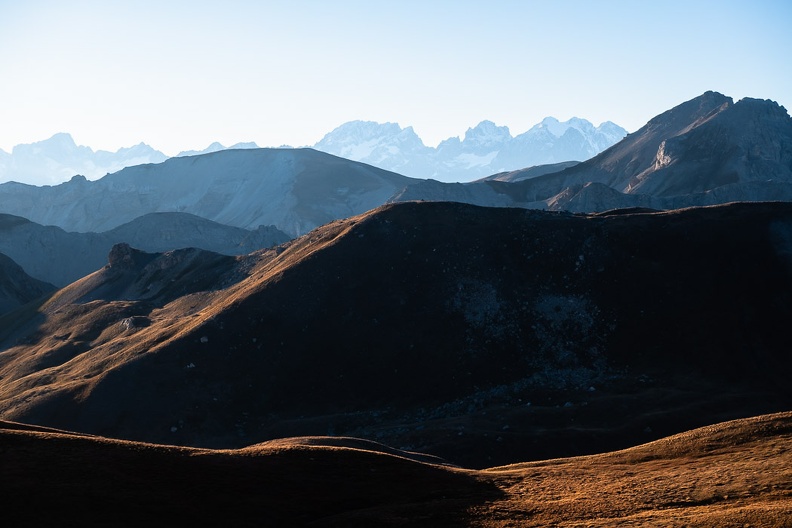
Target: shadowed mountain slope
(484,336)
(732,474)
(17,287)
(530,172)
(292,189)
(61,257)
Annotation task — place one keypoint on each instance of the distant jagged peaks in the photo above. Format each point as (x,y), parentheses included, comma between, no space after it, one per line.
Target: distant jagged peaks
(57,159)
(485,149)
(216,147)
(487,134)
(374,143)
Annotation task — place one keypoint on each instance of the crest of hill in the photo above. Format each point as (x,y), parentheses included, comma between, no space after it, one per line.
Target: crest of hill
(728,474)
(134,275)
(472,308)
(61,257)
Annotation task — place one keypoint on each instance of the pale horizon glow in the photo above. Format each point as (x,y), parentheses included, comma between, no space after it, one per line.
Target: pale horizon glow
(180,75)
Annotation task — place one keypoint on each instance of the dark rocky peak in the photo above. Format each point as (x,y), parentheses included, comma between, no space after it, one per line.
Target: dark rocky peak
(761,109)
(123,256)
(78,179)
(749,140)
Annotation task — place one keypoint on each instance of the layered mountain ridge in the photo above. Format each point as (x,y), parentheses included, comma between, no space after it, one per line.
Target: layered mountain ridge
(705,151)
(59,257)
(294,190)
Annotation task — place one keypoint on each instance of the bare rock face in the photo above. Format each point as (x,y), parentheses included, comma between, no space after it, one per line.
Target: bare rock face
(748,141)
(706,151)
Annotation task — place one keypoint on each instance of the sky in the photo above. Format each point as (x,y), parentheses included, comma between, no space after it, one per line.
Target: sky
(179,75)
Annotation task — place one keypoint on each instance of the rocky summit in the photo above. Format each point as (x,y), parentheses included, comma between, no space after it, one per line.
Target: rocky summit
(705,151)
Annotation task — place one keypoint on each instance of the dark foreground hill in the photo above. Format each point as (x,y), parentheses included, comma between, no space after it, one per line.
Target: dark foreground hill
(732,474)
(485,336)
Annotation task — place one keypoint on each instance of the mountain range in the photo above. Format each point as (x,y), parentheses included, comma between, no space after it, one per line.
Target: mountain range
(58,158)
(705,151)
(485,149)
(407,358)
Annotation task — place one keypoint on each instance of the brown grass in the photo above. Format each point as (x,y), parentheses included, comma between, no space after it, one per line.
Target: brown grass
(734,474)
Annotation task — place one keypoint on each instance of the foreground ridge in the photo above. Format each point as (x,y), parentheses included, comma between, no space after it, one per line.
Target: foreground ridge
(733,473)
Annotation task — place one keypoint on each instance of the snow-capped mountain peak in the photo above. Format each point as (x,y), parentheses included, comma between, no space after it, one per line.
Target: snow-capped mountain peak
(371,142)
(485,149)
(559,128)
(487,133)
(58,158)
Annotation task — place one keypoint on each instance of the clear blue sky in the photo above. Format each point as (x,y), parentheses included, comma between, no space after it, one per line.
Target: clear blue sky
(181,74)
